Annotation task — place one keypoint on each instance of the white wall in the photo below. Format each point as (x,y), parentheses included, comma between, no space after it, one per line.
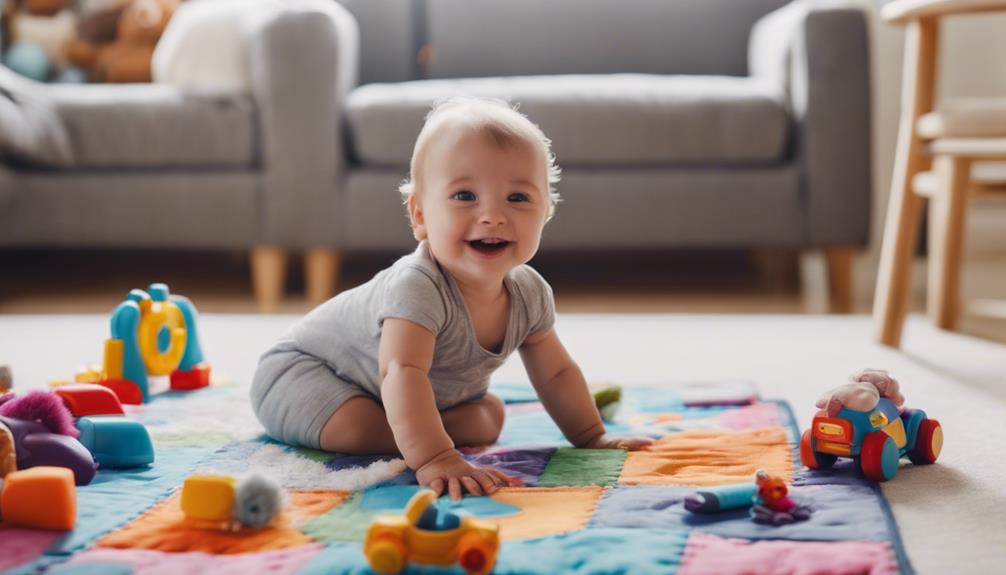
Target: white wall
(972,63)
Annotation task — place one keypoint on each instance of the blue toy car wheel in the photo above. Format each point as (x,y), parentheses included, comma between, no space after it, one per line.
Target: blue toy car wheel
(879,457)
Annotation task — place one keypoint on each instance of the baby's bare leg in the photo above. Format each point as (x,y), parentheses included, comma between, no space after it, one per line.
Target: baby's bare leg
(475,423)
(358,427)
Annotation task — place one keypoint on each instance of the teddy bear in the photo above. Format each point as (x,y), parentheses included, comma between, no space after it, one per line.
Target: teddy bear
(127,58)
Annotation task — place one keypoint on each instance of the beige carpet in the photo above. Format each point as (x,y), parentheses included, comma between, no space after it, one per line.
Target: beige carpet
(952,515)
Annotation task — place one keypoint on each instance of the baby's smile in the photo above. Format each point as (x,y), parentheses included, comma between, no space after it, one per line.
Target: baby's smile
(489,246)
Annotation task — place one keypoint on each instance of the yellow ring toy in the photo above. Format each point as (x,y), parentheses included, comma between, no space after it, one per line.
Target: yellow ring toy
(152,320)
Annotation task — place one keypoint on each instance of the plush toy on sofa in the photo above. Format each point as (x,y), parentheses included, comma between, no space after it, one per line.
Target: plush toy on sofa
(127,58)
(39,31)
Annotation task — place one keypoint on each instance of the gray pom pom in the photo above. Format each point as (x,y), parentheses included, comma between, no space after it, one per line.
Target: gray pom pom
(257,500)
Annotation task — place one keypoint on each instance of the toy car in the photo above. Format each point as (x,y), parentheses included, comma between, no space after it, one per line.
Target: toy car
(877,439)
(423,537)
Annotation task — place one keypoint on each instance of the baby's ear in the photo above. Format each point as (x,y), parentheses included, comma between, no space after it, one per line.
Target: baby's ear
(417,218)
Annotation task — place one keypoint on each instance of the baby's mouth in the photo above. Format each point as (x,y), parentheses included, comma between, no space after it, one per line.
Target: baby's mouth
(489,245)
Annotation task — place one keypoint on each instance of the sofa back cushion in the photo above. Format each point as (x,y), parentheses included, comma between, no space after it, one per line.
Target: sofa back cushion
(471,38)
(389,38)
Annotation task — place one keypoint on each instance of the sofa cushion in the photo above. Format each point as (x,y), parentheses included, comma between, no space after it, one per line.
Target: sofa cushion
(30,129)
(155,126)
(620,119)
(473,38)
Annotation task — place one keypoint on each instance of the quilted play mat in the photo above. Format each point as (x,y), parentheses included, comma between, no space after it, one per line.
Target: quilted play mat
(580,511)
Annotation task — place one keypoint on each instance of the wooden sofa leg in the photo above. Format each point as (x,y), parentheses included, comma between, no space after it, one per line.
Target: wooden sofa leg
(839,260)
(321,274)
(268,267)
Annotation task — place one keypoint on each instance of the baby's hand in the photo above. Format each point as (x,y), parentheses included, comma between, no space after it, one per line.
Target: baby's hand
(605,441)
(450,470)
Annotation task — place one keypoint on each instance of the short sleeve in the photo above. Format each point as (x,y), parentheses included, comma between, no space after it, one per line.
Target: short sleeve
(538,299)
(413,295)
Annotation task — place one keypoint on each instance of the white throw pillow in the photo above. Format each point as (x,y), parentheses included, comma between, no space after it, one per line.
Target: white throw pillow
(204,49)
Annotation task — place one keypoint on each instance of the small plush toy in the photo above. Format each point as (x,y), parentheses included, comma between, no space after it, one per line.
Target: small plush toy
(862,393)
(257,501)
(128,57)
(772,503)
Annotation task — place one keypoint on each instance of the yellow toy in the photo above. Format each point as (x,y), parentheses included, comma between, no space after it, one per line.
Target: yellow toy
(208,497)
(420,536)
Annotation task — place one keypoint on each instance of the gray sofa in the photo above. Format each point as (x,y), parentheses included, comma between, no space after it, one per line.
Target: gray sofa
(677,123)
(151,166)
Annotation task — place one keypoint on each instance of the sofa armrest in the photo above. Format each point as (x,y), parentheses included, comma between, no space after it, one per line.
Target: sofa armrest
(303,65)
(819,55)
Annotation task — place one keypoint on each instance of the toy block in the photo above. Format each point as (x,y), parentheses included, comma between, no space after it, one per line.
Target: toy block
(89,399)
(195,378)
(40,498)
(116,441)
(208,497)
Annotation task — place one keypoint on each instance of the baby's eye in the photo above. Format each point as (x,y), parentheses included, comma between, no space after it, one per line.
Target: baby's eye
(464,196)
(518,197)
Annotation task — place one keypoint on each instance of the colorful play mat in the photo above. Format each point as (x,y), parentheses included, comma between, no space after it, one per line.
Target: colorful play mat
(581,511)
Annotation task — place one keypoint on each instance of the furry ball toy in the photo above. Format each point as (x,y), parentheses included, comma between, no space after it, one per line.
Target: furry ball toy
(257,501)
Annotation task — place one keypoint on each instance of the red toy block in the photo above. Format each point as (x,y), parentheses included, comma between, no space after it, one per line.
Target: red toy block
(89,399)
(195,378)
(125,390)
(40,498)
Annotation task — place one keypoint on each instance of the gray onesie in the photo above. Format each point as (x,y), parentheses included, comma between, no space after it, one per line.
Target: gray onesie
(331,355)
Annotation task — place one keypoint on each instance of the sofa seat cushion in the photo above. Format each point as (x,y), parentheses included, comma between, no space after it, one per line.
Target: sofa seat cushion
(618,119)
(155,126)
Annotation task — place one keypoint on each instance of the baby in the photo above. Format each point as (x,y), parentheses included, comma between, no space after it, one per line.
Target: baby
(402,363)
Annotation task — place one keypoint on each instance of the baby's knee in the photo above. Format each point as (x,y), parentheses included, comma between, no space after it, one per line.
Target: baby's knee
(495,409)
(495,414)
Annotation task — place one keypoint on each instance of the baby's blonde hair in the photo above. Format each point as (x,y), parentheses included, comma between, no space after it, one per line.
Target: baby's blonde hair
(497,120)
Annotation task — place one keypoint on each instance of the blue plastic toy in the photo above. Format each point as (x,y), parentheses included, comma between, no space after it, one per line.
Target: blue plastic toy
(116,441)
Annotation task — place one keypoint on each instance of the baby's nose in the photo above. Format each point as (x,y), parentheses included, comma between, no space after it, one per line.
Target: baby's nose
(492,216)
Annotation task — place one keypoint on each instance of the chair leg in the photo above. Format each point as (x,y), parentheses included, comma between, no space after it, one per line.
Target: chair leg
(947,211)
(905,207)
(839,261)
(321,274)
(268,266)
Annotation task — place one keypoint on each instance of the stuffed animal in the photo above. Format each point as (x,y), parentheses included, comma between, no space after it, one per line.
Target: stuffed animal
(862,393)
(772,503)
(128,57)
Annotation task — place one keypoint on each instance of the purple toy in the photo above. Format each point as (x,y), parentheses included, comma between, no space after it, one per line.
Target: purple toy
(35,445)
(44,434)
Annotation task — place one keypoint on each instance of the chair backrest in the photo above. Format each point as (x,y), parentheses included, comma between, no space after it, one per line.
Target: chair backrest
(477,38)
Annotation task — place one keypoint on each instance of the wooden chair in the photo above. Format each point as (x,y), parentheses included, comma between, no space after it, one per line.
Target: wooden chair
(936,151)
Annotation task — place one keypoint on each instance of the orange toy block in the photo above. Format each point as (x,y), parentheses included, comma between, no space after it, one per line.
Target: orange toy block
(40,498)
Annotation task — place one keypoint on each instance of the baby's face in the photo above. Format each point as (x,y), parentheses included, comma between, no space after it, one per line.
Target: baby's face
(481,207)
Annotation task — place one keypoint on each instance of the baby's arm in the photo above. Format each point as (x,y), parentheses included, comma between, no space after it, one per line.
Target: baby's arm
(404,357)
(563,391)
